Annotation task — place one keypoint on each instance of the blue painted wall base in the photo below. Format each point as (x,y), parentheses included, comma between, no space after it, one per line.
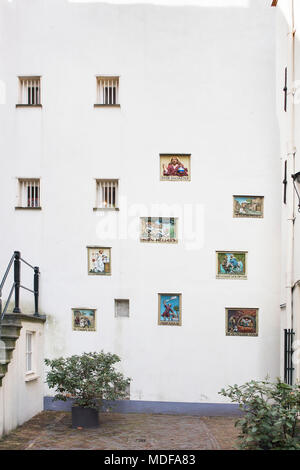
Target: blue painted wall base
(155,407)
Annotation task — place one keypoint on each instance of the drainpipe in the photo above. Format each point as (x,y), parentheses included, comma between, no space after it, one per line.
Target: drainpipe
(291,166)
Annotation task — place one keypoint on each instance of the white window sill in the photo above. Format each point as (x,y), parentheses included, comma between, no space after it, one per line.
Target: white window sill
(31,376)
(25,105)
(106,209)
(21,208)
(100,105)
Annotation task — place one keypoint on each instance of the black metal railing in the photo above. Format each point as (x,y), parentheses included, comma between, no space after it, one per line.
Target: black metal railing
(288,356)
(16,261)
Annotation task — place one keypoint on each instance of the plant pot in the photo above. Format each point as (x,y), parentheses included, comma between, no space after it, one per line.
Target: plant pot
(84,417)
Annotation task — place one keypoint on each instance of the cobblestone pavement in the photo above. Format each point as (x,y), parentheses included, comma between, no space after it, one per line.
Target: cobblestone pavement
(52,430)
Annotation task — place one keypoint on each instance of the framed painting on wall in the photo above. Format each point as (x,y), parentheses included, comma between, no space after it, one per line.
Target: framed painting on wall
(169,309)
(84,319)
(99,261)
(241,321)
(231,264)
(159,229)
(248,206)
(175,167)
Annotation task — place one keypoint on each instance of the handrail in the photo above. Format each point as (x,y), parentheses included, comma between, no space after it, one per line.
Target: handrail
(6,273)
(7,303)
(32,267)
(26,288)
(16,259)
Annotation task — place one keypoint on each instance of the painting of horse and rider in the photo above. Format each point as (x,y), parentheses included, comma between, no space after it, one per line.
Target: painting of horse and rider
(231,265)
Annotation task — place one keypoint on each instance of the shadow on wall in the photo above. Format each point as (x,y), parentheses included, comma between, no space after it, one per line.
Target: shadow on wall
(258,4)
(3,356)
(172,3)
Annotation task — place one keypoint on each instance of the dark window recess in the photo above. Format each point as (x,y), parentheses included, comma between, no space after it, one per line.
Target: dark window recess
(33,95)
(110,95)
(33,198)
(109,199)
(284,182)
(285,89)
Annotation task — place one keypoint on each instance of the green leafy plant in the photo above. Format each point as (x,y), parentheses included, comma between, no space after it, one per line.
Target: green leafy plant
(270,419)
(87,379)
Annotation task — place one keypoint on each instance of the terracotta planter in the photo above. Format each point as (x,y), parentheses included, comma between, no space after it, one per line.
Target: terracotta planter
(84,417)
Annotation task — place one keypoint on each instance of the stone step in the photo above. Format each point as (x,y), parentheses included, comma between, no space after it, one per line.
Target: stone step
(9,340)
(8,352)
(10,328)
(4,367)
(12,318)
(8,336)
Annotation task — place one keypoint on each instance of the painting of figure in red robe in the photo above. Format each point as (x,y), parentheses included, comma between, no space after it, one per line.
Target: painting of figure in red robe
(175,167)
(169,309)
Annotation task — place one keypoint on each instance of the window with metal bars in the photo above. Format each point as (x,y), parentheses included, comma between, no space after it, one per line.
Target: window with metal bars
(29,193)
(107,194)
(30,91)
(108,91)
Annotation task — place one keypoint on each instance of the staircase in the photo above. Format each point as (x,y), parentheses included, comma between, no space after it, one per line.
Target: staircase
(9,333)
(10,323)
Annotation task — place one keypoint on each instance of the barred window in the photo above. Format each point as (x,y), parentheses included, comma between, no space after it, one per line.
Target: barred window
(29,193)
(107,194)
(108,91)
(30,91)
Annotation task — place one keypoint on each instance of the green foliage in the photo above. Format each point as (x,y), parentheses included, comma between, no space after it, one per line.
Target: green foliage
(270,419)
(88,379)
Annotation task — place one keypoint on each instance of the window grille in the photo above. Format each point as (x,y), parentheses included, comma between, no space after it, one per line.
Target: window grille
(288,356)
(29,193)
(108,90)
(30,91)
(107,194)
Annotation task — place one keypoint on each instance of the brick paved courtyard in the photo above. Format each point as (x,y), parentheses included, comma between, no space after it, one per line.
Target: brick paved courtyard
(52,430)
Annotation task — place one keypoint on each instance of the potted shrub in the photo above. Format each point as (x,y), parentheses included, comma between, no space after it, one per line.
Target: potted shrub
(87,379)
(271,414)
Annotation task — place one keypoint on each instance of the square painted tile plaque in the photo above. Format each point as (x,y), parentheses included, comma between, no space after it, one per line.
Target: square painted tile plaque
(248,206)
(241,321)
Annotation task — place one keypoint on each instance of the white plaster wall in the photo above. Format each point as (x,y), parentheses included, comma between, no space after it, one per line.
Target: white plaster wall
(285,10)
(21,399)
(296,86)
(283,59)
(197,80)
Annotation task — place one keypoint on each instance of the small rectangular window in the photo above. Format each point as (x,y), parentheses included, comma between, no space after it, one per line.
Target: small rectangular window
(29,346)
(107,194)
(29,193)
(30,91)
(121,308)
(108,91)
